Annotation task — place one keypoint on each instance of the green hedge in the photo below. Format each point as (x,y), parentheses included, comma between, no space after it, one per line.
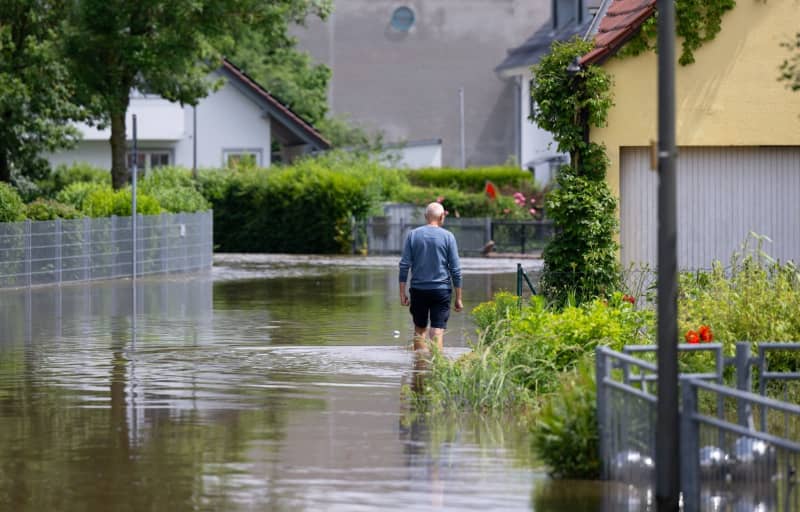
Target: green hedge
(49,209)
(301,209)
(473,179)
(12,209)
(64,176)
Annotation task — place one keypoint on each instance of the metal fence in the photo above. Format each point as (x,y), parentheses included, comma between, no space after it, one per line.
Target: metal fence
(53,252)
(386,235)
(727,462)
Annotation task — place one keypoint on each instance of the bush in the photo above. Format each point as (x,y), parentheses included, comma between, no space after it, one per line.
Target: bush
(519,355)
(64,176)
(565,434)
(12,209)
(463,204)
(48,209)
(474,179)
(76,193)
(105,202)
(174,190)
(301,209)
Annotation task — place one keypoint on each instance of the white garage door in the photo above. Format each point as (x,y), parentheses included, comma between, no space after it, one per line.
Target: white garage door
(723,194)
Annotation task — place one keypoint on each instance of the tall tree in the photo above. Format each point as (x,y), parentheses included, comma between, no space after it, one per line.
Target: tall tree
(287,73)
(35,111)
(164,47)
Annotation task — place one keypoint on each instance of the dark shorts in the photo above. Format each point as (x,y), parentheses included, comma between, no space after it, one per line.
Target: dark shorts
(433,303)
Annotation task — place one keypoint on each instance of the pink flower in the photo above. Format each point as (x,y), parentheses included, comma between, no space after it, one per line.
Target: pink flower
(440,199)
(532,211)
(533,200)
(506,211)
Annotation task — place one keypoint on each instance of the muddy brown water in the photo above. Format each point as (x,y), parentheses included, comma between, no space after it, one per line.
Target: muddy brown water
(267,384)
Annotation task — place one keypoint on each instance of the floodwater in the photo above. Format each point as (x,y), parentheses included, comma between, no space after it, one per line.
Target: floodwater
(268,384)
(273,385)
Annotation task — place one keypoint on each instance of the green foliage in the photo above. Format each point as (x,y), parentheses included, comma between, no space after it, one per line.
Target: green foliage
(288,74)
(462,204)
(754,299)
(75,194)
(12,209)
(162,47)
(580,261)
(696,23)
(306,208)
(790,68)
(35,89)
(342,132)
(519,354)
(565,434)
(174,190)
(474,179)
(105,202)
(48,209)
(64,176)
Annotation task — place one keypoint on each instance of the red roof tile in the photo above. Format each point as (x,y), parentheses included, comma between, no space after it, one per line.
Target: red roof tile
(621,21)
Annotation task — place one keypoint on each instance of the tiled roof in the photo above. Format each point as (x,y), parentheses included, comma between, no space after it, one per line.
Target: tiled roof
(311,135)
(621,21)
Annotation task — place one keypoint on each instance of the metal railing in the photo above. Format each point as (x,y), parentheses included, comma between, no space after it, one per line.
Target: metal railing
(386,235)
(726,462)
(53,252)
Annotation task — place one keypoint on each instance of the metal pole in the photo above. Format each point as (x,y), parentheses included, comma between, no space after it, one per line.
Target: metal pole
(667,433)
(461,126)
(194,142)
(133,199)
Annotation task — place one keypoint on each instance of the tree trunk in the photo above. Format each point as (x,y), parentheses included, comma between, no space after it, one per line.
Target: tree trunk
(119,150)
(5,168)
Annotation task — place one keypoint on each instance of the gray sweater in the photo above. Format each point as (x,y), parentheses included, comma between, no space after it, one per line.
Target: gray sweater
(431,254)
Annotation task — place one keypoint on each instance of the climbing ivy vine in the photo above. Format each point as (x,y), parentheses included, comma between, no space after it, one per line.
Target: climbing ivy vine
(696,21)
(580,262)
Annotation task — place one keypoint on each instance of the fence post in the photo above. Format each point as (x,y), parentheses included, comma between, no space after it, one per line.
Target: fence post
(58,250)
(487,226)
(743,383)
(601,371)
(28,255)
(522,236)
(519,284)
(114,248)
(87,248)
(689,449)
(164,252)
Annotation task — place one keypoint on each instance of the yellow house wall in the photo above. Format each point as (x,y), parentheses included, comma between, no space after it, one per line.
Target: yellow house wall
(729,97)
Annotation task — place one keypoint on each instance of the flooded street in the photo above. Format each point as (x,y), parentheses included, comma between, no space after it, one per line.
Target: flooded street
(266,385)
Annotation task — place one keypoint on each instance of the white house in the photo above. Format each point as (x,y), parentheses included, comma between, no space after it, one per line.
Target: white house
(241,120)
(536,150)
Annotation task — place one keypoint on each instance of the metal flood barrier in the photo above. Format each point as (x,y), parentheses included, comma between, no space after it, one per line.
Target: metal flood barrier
(53,252)
(739,449)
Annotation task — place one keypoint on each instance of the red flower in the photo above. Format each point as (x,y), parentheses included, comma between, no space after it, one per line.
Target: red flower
(628,298)
(705,333)
(692,337)
(491,190)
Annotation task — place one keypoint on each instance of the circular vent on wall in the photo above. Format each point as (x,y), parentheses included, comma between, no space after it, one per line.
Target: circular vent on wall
(402,19)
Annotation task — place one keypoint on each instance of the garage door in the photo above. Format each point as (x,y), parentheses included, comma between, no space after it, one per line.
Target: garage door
(723,194)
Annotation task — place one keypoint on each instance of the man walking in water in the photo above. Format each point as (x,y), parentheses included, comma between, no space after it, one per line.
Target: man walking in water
(431,253)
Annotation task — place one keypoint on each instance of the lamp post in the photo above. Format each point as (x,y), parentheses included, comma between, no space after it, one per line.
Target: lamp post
(667,438)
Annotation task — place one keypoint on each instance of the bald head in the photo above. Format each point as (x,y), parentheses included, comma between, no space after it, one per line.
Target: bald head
(434,213)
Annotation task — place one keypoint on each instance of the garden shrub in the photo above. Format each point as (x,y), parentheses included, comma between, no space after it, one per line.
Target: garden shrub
(76,193)
(474,179)
(105,202)
(49,209)
(300,209)
(12,209)
(174,190)
(565,434)
(64,176)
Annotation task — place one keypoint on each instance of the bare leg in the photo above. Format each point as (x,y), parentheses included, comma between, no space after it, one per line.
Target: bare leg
(437,335)
(420,335)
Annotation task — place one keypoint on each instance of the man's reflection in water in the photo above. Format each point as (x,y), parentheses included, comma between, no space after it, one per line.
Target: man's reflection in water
(423,459)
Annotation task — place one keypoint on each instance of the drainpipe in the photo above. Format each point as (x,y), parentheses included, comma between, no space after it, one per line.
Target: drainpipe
(194,141)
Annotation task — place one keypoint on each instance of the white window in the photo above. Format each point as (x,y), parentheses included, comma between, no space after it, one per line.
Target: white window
(232,158)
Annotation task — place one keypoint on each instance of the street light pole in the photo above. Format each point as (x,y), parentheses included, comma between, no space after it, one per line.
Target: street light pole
(135,168)
(667,439)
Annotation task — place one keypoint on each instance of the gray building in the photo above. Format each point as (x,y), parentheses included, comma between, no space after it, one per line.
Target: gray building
(398,66)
